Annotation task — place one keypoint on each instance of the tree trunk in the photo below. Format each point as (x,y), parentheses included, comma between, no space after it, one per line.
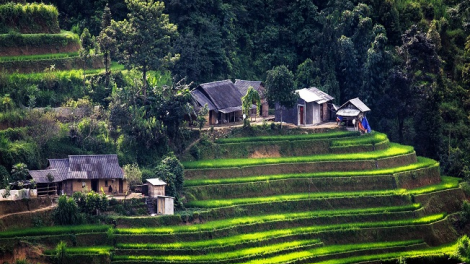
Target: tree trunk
(281,117)
(400,129)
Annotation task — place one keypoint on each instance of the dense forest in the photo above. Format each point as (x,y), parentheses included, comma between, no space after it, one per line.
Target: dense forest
(408,60)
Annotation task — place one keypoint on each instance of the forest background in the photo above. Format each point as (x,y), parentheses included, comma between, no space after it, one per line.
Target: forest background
(408,60)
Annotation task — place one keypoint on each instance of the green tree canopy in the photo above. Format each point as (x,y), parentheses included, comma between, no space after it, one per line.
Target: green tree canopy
(280,87)
(144,39)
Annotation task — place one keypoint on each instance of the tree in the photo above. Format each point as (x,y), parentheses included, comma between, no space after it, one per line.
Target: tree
(171,171)
(307,75)
(19,172)
(201,116)
(248,99)
(280,88)
(144,40)
(133,175)
(4,177)
(105,40)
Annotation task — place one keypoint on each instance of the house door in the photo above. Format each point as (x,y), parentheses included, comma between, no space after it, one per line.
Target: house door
(301,115)
(94,185)
(121,188)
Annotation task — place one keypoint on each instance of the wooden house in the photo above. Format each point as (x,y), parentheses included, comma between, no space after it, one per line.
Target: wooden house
(83,172)
(223,100)
(156,187)
(312,108)
(353,109)
(243,85)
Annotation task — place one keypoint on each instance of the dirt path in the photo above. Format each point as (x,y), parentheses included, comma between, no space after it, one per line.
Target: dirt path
(30,211)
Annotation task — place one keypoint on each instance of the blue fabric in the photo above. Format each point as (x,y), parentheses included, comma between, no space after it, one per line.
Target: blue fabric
(340,118)
(365,124)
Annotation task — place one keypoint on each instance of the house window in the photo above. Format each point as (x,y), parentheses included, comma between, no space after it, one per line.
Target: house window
(83,184)
(106,183)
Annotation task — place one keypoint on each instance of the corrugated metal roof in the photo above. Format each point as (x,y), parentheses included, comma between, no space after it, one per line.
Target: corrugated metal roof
(313,94)
(357,103)
(350,112)
(40,176)
(156,181)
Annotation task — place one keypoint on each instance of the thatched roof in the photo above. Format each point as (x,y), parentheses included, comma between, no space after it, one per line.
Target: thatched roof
(223,95)
(243,85)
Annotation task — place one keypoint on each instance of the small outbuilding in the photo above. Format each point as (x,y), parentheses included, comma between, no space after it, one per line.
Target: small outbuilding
(353,114)
(156,192)
(312,108)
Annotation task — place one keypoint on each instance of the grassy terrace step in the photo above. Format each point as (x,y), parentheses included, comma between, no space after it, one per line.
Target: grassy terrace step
(419,174)
(394,156)
(317,253)
(54,230)
(421,164)
(227,237)
(291,145)
(39,57)
(313,185)
(447,183)
(239,255)
(394,150)
(440,254)
(327,135)
(243,221)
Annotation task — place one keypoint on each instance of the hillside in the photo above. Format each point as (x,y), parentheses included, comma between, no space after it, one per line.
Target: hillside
(344,198)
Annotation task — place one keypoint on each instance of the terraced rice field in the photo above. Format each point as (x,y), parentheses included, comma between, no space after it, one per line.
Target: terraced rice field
(393,204)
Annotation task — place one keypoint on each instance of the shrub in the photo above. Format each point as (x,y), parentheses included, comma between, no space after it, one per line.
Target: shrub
(195,152)
(67,212)
(61,252)
(463,249)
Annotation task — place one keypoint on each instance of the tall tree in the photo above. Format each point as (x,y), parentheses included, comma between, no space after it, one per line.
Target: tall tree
(280,87)
(144,40)
(105,40)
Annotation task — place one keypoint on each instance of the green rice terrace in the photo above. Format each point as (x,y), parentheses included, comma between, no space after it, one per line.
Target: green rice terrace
(334,197)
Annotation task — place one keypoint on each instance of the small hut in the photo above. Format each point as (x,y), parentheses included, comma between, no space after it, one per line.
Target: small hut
(353,114)
(156,191)
(312,108)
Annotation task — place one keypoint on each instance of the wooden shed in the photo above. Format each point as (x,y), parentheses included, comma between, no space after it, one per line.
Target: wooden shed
(156,187)
(165,205)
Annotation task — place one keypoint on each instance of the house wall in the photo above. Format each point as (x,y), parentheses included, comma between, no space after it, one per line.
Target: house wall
(213,117)
(155,191)
(288,115)
(326,113)
(169,206)
(265,110)
(310,113)
(71,186)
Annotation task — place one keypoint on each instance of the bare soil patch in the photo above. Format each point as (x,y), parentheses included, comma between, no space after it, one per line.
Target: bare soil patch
(266,152)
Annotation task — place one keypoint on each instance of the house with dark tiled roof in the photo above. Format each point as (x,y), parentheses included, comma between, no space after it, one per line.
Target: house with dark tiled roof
(223,100)
(82,172)
(243,85)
